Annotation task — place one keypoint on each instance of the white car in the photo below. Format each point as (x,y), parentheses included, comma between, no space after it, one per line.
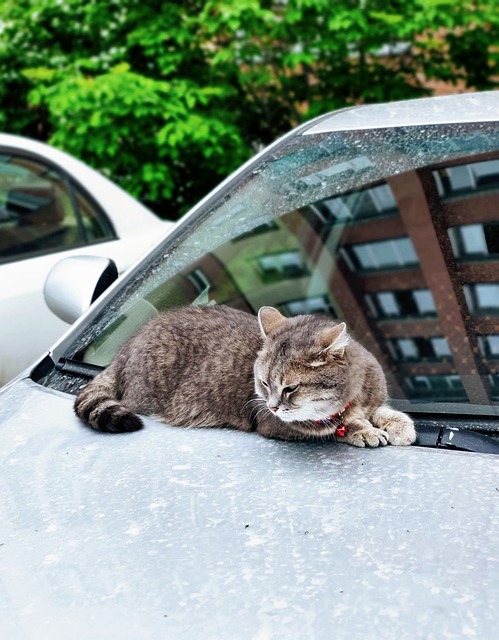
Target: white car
(53,206)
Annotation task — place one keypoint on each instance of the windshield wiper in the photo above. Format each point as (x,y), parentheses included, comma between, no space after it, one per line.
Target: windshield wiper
(456,438)
(78,368)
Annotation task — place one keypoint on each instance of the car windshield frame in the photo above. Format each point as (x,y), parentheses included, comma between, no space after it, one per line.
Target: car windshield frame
(305,169)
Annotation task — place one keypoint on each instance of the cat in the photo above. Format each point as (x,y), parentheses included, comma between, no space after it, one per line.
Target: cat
(209,366)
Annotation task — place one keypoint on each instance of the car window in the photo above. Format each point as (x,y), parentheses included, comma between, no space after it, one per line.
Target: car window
(42,212)
(393,231)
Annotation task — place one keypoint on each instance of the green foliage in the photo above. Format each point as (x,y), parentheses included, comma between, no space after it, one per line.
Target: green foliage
(168,97)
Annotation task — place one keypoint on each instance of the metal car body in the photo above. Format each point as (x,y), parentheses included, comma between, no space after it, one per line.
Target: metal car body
(383,216)
(53,205)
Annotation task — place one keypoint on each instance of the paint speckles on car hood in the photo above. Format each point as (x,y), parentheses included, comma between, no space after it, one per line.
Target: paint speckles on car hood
(214,534)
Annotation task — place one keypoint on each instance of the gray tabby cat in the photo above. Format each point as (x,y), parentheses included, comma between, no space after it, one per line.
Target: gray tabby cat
(292,379)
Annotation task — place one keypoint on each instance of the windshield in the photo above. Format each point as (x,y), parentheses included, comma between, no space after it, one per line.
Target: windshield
(395,231)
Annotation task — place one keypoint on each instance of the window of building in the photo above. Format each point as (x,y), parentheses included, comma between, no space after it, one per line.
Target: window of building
(435,387)
(425,304)
(475,240)
(318,304)
(419,349)
(482,297)
(375,201)
(381,255)
(489,346)
(260,229)
(440,347)
(467,178)
(288,264)
(494,386)
(387,304)
(407,349)
(405,303)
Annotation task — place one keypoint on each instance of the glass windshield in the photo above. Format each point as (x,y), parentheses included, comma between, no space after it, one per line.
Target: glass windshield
(395,231)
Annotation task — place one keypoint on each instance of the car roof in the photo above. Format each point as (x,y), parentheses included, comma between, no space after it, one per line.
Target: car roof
(468,107)
(44,150)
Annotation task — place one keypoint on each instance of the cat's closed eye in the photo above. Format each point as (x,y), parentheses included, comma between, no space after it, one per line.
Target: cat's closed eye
(290,389)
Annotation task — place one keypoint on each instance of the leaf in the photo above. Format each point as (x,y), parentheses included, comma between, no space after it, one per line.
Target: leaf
(42,74)
(388,18)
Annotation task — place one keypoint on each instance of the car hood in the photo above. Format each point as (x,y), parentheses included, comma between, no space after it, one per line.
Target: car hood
(173,532)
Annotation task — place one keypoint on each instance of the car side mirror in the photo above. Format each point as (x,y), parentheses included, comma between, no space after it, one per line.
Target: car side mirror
(74,283)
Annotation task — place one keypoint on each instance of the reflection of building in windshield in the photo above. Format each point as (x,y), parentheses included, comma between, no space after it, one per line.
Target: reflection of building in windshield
(411,264)
(433,308)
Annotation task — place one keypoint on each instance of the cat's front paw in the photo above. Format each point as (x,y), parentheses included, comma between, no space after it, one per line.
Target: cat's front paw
(399,427)
(366,437)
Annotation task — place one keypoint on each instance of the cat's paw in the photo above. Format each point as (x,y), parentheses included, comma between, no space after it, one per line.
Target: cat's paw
(399,427)
(366,437)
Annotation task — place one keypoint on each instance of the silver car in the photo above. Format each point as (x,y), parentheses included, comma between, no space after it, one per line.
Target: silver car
(385,216)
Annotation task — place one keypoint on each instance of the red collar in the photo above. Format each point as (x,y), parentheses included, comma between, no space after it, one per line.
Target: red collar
(341,428)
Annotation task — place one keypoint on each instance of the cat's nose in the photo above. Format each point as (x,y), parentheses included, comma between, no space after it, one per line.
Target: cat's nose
(273,409)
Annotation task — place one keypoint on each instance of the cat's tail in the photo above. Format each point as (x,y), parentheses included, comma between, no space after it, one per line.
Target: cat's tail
(97,406)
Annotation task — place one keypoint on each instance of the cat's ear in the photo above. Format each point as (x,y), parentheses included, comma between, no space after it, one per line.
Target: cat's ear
(269,319)
(335,339)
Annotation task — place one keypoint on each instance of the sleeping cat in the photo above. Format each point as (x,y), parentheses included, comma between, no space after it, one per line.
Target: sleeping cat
(287,378)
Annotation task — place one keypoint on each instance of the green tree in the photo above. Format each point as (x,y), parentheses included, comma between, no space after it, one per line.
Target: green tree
(168,97)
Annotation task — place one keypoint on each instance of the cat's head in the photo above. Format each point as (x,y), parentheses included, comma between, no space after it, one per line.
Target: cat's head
(301,370)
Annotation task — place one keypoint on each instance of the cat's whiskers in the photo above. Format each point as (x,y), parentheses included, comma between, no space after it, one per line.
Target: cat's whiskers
(256,402)
(259,404)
